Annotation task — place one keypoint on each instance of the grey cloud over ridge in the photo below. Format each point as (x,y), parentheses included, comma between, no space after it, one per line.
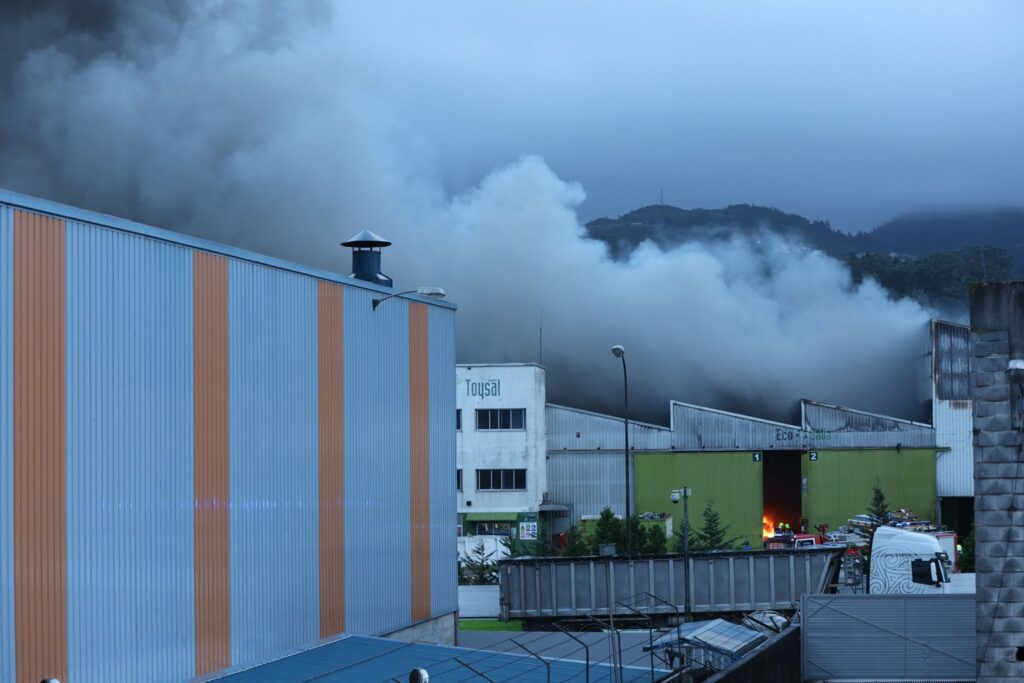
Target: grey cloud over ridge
(286,127)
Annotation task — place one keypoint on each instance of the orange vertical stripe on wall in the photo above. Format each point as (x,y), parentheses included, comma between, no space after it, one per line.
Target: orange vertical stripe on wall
(211,465)
(331,463)
(419,459)
(40,456)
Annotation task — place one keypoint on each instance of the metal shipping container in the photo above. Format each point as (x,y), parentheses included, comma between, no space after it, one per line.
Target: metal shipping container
(209,457)
(567,588)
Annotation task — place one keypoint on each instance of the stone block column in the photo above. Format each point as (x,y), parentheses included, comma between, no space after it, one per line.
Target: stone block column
(997,389)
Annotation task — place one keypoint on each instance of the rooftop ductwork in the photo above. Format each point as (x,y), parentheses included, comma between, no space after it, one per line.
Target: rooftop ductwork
(366,248)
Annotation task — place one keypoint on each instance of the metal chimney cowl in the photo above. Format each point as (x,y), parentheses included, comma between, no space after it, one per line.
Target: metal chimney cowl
(366,248)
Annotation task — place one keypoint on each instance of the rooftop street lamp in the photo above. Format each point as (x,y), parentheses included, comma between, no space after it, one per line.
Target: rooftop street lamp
(432,292)
(684,493)
(620,352)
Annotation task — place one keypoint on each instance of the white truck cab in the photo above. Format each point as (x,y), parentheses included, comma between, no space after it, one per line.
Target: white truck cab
(909,562)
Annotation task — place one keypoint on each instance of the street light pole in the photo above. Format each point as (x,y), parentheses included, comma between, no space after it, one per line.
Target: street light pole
(684,493)
(620,352)
(686,554)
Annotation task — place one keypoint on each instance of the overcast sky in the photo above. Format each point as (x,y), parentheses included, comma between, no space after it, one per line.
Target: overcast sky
(479,135)
(849,111)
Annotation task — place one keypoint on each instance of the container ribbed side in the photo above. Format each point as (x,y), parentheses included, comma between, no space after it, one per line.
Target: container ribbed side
(331,466)
(129,456)
(377,509)
(40,485)
(211,483)
(7,662)
(444,596)
(273,463)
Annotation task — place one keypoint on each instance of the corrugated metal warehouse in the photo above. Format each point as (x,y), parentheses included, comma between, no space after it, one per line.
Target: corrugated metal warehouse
(949,389)
(586,464)
(201,449)
(757,472)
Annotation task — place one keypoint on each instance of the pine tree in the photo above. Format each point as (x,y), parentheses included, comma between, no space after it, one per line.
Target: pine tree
(638,535)
(656,542)
(879,508)
(966,559)
(477,568)
(677,536)
(714,535)
(514,547)
(575,546)
(610,529)
(542,546)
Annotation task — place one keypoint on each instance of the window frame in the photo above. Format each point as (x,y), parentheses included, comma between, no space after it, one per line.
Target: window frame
(512,476)
(500,419)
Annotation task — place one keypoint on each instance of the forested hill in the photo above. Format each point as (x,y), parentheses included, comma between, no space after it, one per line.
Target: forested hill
(918,234)
(928,233)
(668,226)
(932,257)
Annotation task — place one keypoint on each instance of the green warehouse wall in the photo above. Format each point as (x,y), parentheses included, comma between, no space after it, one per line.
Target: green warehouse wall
(840,483)
(732,480)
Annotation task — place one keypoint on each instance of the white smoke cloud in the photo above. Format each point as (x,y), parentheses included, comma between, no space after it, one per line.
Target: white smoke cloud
(260,128)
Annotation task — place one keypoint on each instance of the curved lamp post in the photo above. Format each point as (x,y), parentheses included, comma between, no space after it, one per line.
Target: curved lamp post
(619,352)
(432,292)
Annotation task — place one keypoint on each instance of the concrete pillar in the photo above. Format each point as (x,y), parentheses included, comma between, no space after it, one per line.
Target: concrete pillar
(997,390)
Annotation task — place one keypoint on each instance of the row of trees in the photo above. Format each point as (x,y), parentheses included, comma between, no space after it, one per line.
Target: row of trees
(651,540)
(941,279)
(478,567)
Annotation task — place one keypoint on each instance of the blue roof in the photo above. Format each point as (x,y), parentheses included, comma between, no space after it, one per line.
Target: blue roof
(363,659)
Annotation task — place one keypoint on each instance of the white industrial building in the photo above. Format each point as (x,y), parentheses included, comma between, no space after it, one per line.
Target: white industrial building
(519,457)
(500,448)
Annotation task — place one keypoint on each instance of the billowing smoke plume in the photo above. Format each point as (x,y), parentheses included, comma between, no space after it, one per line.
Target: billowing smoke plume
(260,127)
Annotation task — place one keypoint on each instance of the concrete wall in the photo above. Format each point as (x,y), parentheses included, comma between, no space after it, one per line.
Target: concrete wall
(997,387)
(441,630)
(479,601)
(501,386)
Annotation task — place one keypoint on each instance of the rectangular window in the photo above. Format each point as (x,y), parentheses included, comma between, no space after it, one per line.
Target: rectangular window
(458,479)
(506,419)
(501,480)
(493,528)
(458,419)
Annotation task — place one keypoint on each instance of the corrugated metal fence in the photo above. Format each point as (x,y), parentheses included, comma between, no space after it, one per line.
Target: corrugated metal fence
(888,637)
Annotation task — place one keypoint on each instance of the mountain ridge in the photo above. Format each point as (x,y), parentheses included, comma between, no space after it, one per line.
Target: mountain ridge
(914,234)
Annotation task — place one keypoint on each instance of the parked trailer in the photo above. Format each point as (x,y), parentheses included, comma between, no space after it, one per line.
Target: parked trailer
(539,590)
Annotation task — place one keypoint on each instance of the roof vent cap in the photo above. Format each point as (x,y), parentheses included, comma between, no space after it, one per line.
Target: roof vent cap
(366,246)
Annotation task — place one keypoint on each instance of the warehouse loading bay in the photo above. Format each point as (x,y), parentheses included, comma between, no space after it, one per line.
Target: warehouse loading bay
(781,489)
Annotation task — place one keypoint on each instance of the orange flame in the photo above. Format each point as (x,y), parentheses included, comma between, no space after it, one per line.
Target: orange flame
(767,527)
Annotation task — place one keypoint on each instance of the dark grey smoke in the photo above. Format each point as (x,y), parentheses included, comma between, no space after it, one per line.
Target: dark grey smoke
(267,126)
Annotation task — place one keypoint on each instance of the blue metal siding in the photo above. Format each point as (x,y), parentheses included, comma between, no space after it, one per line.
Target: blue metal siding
(273,461)
(73,213)
(129,456)
(378,591)
(444,596)
(6,444)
